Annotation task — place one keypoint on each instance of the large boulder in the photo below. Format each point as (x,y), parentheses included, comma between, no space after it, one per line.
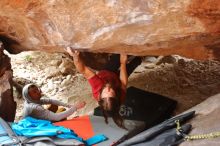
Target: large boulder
(189,28)
(206,122)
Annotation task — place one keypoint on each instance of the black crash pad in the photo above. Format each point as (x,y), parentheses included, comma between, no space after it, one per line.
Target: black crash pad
(145,106)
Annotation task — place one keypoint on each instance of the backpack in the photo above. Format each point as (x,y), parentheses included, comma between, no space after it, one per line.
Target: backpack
(7,136)
(163,134)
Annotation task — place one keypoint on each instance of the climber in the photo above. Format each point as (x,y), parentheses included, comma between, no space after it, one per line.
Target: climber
(109,84)
(33,105)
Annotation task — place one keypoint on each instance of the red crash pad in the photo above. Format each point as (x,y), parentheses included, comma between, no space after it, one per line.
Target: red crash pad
(80,125)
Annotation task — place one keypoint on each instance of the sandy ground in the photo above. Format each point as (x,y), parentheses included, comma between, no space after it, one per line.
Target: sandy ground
(185,80)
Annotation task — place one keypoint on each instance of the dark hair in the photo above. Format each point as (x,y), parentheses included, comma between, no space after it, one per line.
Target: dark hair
(110,107)
(33,86)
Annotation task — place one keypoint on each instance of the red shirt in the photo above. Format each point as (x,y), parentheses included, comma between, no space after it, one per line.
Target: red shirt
(103,77)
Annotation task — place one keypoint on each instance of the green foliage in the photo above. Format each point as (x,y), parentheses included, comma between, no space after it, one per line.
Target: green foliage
(28,58)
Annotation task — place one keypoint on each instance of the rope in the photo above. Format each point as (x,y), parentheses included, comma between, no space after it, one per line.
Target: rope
(195,136)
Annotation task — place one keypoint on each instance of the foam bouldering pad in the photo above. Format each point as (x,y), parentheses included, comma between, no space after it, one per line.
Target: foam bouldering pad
(88,126)
(80,125)
(145,106)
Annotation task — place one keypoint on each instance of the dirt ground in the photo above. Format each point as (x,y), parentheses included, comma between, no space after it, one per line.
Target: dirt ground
(185,80)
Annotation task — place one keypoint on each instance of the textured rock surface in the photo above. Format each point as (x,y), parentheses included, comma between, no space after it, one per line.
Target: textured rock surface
(7,104)
(57,77)
(145,27)
(206,121)
(185,80)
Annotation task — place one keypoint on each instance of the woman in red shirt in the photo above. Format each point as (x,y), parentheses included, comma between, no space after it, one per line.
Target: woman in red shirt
(109,84)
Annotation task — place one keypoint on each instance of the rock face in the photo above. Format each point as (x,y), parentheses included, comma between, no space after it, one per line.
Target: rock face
(7,104)
(189,28)
(57,77)
(206,122)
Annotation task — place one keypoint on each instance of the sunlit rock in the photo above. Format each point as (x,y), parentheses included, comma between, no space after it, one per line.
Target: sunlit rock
(146,27)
